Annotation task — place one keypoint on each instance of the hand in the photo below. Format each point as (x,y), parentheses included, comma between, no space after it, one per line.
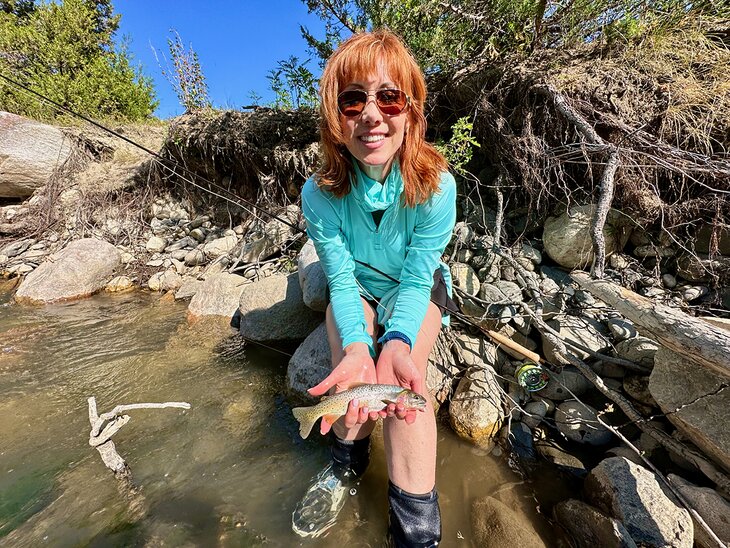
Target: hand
(356,367)
(395,366)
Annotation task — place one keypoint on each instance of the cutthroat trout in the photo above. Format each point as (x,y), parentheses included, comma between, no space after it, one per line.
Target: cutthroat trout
(373,396)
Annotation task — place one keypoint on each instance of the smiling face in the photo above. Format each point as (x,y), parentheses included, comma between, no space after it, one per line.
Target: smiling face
(372,137)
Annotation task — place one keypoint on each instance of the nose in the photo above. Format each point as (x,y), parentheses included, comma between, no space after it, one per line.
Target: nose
(371,113)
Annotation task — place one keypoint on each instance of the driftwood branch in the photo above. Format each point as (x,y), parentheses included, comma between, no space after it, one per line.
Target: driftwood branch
(606,183)
(693,338)
(100,435)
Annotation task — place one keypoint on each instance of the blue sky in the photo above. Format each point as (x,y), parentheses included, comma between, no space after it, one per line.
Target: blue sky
(237,43)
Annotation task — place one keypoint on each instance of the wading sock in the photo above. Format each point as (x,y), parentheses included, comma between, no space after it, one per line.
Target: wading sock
(350,458)
(415,520)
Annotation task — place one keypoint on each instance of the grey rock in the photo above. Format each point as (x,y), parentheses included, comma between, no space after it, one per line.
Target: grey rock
(198,234)
(640,350)
(179,255)
(643,251)
(562,384)
(218,295)
(16,248)
(309,365)
(577,422)
(633,495)
(669,281)
(535,411)
(606,369)
(589,528)
(693,399)
(690,293)
(272,309)
(637,386)
(312,278)
(80,269)
(621,329)
(168,280)
(712,508)
(188,287)
(529,252)
(553,453)
(221,246)
(625,452)
(584,331)
(194,257)
(500,291)
(463,234)
(156,244)
(182,243)
(30,153)
(700,268)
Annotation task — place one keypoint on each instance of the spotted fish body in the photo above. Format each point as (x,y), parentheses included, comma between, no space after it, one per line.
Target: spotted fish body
(373,396)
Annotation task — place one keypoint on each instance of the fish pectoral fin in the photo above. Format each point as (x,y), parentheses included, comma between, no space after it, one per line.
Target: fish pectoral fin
(331,418)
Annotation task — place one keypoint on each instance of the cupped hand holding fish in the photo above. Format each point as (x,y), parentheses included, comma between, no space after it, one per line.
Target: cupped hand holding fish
(396,367)
(357,367)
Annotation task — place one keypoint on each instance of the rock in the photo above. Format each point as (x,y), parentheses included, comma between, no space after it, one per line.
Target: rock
(633,495)
(500,291)
(712,508)
(690,292)
(529,252)
(608,369)
(30,152)
(310,364)
(80,269)
(535,411)
(625,452)
(669,281)
(705,240)
(637,386)
(16,248)
(120,283)
(220,246)
(701,268)
(312,278)
(567,238)
(693,399)
(644,251)
(464,277)
(621,329)
(639,350)
(494,524)
(265,241)
(272,309)
(562,384)
(577,422)
(552,452)
(167,280)
(218,295)
(156,244)
(195,257)
(584,331)
(188,287)
(476,411)
(589,528)
(182,243)
(463,234)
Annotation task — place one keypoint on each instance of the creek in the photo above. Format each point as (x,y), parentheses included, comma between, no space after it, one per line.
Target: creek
(227,472)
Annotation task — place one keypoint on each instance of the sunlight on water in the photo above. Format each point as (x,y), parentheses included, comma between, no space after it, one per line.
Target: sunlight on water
(228,472)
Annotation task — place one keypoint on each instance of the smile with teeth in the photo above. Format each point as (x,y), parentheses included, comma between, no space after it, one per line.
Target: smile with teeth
(372,138)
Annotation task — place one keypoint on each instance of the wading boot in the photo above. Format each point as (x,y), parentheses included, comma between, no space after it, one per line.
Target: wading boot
(318,509)
(414,520)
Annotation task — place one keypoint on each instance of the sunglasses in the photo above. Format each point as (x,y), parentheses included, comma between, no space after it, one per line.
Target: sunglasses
(390,102)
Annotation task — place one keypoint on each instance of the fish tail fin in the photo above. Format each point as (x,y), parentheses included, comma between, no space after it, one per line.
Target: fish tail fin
(306,422)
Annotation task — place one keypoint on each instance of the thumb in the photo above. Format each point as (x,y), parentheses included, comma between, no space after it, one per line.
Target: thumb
(323,386)
(418,385)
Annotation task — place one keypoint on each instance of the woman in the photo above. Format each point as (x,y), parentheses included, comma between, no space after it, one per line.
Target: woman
(380,212)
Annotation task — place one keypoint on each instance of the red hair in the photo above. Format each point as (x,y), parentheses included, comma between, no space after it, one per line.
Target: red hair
(357,57)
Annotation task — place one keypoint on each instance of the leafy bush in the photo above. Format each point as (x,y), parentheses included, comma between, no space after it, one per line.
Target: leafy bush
(65,51)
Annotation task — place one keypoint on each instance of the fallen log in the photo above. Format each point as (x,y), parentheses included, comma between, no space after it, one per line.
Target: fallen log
(697,340)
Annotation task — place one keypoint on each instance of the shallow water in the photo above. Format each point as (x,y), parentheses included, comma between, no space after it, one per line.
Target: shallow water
(228,472)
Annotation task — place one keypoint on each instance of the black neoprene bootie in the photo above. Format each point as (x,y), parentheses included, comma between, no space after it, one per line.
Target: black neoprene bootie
(414,520)
(321,504)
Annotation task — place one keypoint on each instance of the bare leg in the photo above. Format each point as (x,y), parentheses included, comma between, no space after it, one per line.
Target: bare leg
(359,431)
(410,449)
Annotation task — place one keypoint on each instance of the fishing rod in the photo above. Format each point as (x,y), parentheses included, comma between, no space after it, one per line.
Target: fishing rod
(238,201)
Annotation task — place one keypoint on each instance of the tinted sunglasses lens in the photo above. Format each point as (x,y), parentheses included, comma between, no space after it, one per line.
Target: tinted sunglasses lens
(352,103)
(391,101)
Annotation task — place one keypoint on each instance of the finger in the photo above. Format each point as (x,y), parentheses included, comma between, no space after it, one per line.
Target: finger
(324,386)
(324,426)
(410,417)
(375,415)
(400,411)
(364,415)
(352,413)
(383,414)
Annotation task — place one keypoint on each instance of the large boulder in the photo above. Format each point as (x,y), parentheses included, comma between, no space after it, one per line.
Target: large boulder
(82,268)
(312,278)
(29,154)
(476,411)
(633,495)
(309,365)
(272,309)
(693,400)
(589,528)
(495,525)
(712,508)
(567,237)
(218,295)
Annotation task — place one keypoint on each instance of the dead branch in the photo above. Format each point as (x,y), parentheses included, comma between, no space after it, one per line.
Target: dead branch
(697,340)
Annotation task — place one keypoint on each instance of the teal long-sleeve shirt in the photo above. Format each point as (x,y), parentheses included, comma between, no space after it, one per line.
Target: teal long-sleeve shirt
(407,245)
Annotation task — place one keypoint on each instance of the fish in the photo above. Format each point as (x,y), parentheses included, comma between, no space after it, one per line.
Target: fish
(373,396)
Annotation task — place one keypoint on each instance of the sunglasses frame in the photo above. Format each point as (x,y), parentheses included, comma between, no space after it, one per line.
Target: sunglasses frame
(373,94)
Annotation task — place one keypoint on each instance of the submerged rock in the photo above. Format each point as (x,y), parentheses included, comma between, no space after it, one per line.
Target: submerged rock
(310,364)
(81,269)
(218,295)
(589,528)
(494,524)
